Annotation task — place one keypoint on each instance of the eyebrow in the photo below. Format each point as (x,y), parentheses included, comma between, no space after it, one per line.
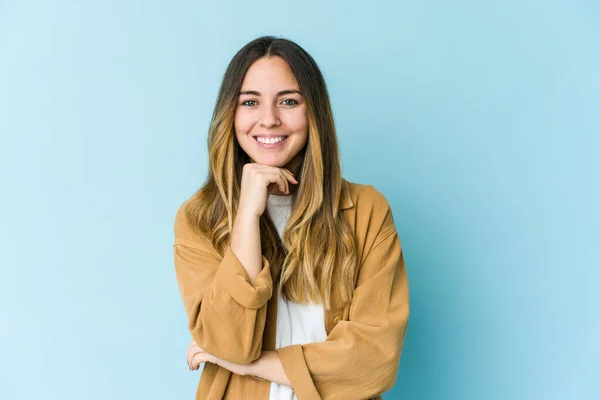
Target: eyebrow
(280,93)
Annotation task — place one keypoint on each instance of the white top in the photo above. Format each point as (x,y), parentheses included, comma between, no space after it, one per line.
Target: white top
(296,323)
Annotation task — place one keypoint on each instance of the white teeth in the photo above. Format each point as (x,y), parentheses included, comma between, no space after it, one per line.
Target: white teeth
(270,140)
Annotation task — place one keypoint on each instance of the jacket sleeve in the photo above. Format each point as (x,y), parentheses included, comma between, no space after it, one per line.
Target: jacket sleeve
(226,313)
(360,357)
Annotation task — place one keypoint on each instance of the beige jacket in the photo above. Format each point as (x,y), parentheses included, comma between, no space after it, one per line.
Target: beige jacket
(234,320)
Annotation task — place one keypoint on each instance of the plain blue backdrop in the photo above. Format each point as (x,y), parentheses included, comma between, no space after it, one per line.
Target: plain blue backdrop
(478,120)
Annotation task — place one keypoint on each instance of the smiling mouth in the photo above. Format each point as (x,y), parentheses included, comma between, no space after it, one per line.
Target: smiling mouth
(284,138)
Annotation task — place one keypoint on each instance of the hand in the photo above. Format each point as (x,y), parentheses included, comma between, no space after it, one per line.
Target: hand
(258,181)
(196,356)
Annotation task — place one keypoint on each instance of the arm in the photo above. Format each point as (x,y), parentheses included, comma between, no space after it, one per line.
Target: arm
(360,357)
(245,243)
(226,312)
(269,367)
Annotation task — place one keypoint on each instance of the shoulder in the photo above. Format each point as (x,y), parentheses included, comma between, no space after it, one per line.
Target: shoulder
(181,219)
(368,197)
(182,227)
(372,211)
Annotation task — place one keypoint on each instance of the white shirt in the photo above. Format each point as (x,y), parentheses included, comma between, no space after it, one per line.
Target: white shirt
(296,323)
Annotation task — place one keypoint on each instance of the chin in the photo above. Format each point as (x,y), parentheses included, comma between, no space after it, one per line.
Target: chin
(271,161)
(275,164)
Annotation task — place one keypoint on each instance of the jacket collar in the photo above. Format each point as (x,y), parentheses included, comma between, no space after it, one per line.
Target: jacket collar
(347,201)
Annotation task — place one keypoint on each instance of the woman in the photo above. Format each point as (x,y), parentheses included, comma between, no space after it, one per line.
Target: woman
(293,278)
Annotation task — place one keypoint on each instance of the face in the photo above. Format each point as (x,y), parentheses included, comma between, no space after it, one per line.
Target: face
(270,108)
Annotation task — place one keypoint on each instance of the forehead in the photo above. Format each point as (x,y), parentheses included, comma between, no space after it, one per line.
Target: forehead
(269,73)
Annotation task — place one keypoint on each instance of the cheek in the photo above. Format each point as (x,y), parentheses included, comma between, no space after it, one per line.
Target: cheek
(297,122)
(243,122)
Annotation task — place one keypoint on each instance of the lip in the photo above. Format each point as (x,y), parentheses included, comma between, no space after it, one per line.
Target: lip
(270,145)
(268,136)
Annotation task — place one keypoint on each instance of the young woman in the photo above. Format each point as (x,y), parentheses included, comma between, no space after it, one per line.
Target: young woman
(293,278)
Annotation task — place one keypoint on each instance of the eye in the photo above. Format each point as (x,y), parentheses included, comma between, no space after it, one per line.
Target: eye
(294,102)
(244,103)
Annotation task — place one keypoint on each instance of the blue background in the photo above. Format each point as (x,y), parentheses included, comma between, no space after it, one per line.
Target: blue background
(478,120)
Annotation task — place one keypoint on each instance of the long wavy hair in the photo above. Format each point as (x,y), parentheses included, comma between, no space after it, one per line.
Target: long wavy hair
(318,247)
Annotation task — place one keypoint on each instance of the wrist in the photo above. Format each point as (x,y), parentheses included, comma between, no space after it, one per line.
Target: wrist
(247,216)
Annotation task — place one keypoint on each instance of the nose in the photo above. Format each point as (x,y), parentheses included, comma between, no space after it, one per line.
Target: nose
(269,116)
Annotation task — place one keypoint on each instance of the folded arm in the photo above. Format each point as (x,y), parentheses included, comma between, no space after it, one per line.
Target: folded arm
(226,313)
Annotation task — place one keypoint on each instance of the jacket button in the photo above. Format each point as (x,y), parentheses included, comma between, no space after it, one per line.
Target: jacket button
(267,322)
(337,319)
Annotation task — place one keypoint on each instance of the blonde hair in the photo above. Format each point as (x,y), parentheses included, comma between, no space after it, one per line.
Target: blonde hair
(318,246)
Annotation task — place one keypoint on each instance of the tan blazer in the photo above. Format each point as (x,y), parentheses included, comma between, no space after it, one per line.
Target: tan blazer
(234,320)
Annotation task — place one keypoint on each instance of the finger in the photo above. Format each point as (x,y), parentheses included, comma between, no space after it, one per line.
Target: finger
(188,357)
(288,172)
(198,359)
(290,176)
(188,352)
(285,182)
(275,178)
(192,349)
(191,361)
